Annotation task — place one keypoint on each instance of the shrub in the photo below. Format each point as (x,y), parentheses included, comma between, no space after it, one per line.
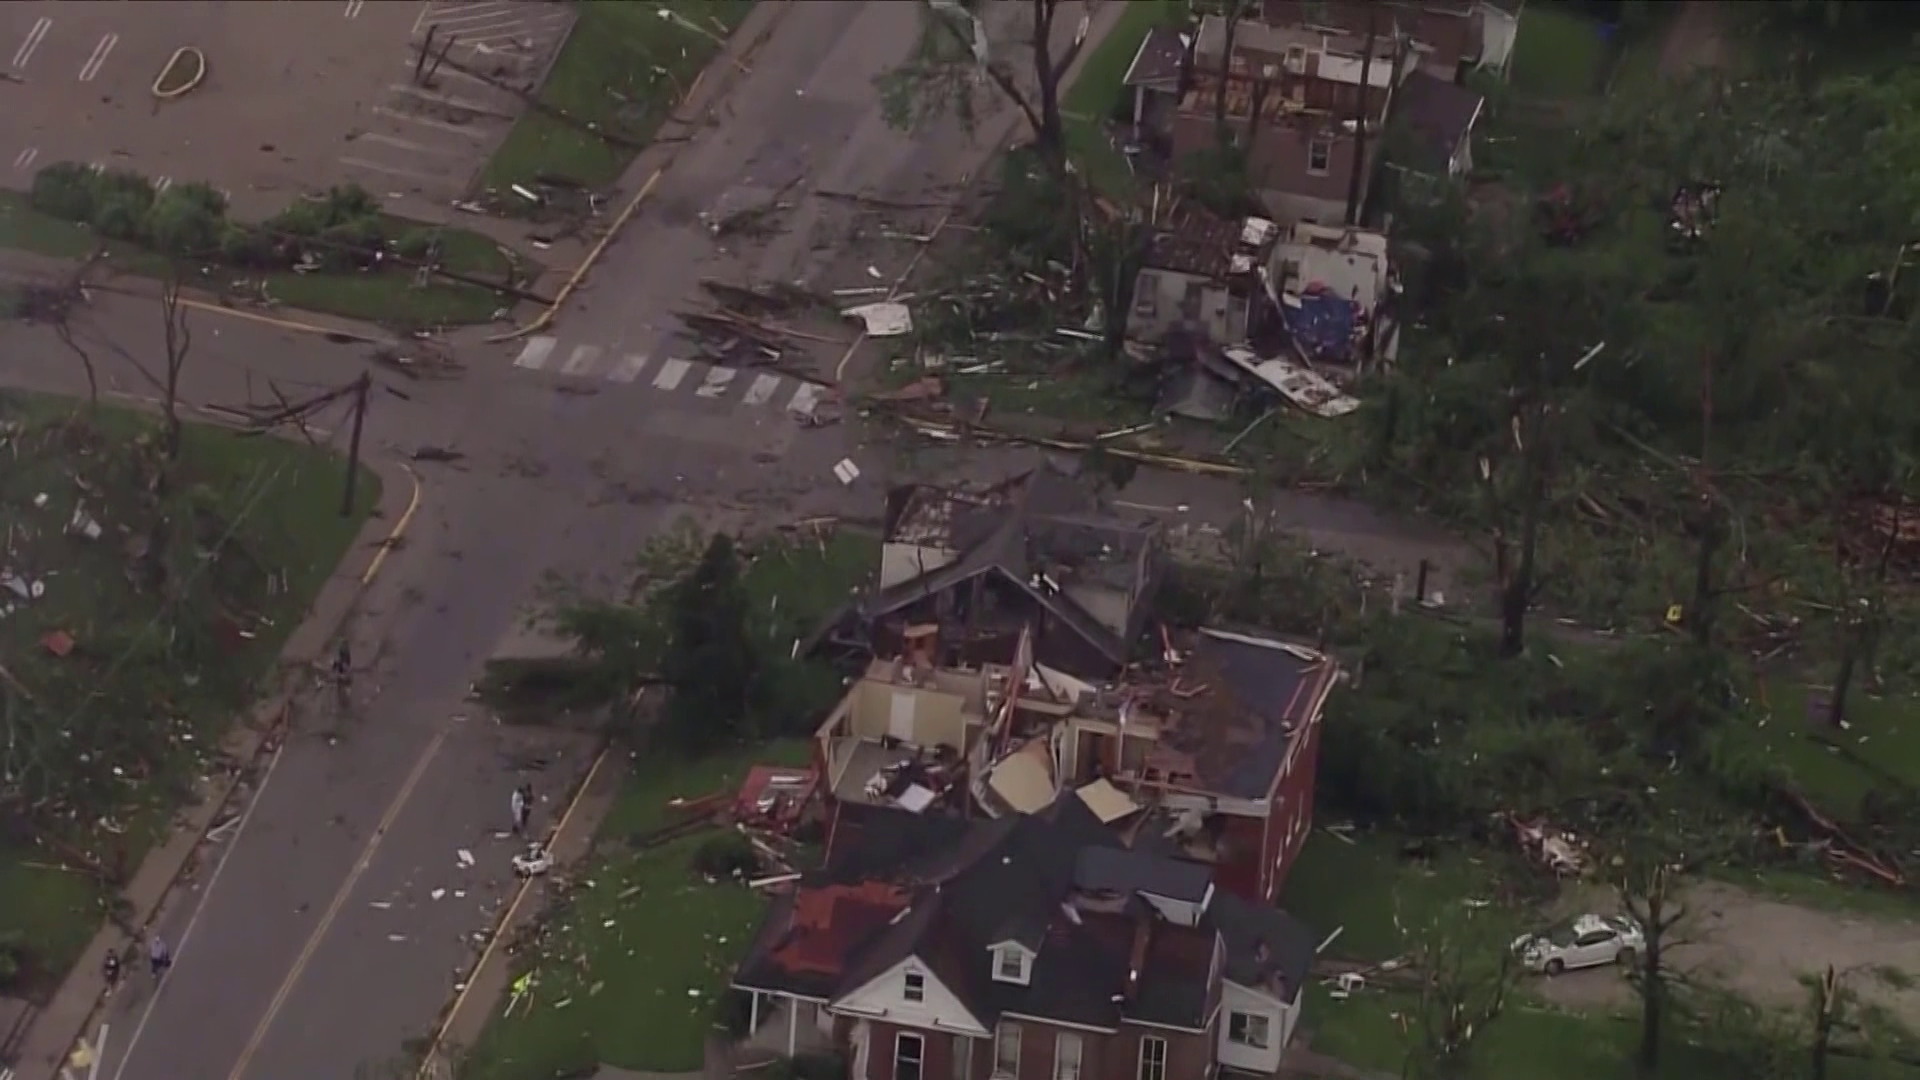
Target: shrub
(246,248)
(64,190)
(347,202)
(354,242)
(184,223)
(120,216)
(124,184)
(302,218)
(416,245)
(725,856)
(817,1066)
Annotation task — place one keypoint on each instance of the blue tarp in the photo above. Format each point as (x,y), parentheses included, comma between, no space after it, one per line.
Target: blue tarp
(1322,325)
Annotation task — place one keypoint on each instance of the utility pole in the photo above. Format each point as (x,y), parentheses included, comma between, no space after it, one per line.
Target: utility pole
(1356,179)
(361,390)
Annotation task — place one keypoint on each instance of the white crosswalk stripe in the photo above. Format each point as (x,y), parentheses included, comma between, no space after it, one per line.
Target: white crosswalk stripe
(628,367)
(582,360)
(716,382)
(535,353)
(762,389)
(670,374)
(692,379)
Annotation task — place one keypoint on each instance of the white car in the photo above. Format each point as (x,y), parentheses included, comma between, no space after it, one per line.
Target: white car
(1588,941)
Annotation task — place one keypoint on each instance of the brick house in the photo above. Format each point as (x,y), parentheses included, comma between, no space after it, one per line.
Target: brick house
(1294,99)
(1033,947)
(1445,36)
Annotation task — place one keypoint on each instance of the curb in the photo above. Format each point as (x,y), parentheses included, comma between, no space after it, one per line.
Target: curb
(558,844)
(758,37)
(247,744)
(184,52)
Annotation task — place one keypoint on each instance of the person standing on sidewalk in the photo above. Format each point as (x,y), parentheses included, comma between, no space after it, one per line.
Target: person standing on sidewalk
(522,809)
(110,970)
(159,956)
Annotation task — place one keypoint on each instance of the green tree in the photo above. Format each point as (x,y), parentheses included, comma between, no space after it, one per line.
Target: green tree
(710,661)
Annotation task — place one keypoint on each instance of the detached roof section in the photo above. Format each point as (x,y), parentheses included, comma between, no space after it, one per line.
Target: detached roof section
(1438,114)
(1160,61)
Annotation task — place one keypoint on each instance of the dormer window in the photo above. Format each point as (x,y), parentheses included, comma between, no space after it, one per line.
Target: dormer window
(1012,964)
(915,988)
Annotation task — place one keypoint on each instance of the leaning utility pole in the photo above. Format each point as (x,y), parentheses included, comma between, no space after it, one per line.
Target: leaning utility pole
(361,388)
(1356,179)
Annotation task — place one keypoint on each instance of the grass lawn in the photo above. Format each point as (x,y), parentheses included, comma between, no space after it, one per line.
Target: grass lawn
(388,298)
(1096,92)
(630,973)
(266,531)
(622,70)
(1559,52)
(1378,900)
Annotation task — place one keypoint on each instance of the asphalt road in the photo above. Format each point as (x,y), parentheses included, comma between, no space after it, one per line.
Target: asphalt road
(317,945)
(314,945)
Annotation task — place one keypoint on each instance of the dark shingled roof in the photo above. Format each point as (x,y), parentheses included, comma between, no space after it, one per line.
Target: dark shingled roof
(1267,949)
(954,896)
(1158,63)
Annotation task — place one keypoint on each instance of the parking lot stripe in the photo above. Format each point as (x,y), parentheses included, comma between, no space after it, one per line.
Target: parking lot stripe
(162,184)
(481,107)
(91,69)
(464,24)
(763,387)
(535,353)
(394,114)
(402,144)
(804,399)
(581,361)
(670,375)
(374,166)
(628,368)
(354,6)
(33,39)
(25,158)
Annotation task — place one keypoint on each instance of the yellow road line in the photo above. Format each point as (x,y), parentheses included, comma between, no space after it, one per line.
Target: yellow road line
(339,900)
(506,920)
(586,264)
(399,529)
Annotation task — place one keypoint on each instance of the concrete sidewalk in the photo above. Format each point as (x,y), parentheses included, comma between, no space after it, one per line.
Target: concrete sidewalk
(56,1031)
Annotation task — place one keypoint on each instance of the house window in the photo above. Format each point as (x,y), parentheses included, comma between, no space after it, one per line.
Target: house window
(1145,300)
(1006,1049)
(1066,1057)
(916,987)
(1250,1029)
(1320,156)
(962,1058)
(909,1051)
(1153,1058)
(1010,965)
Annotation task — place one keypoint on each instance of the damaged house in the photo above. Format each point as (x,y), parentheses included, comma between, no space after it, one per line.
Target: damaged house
(1037,551)
(1202,275)
(1294,99)
(1033,947)
(1445,38)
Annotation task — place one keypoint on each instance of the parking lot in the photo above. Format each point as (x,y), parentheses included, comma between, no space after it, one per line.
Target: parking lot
(299,94)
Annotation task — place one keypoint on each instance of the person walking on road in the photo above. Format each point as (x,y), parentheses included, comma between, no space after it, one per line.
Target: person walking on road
(110,970)
(159,956)
(522,808)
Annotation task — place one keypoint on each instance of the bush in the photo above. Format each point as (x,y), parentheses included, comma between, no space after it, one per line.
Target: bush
(246,248)
(816,1066)
(728,855)
(353,243)
(124,184)
(121,216)
(184,223)
(303,219)
(347,202)
(65,190)
(416,245)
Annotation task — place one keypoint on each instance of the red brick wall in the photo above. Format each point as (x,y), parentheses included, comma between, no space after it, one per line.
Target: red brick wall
(1292,803)
(1280,155)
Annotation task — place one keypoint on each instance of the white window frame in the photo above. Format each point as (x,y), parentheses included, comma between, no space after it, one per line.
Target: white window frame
(1242,1034)
(1324,146)
(913,987)
(1153,1066)
(1062,1042)
(918,1059)
(1001,1067)
(1008,955)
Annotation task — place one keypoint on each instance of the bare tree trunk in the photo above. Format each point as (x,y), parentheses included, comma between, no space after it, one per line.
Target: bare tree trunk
(1224,73)
(1826,1003)
(178,340)
(1261,89)
(1051,132)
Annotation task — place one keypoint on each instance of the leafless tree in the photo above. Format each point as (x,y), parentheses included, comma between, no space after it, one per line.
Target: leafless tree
(1464,980)
(178,340)
(1647,892)
(1231,14)
(954,60)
